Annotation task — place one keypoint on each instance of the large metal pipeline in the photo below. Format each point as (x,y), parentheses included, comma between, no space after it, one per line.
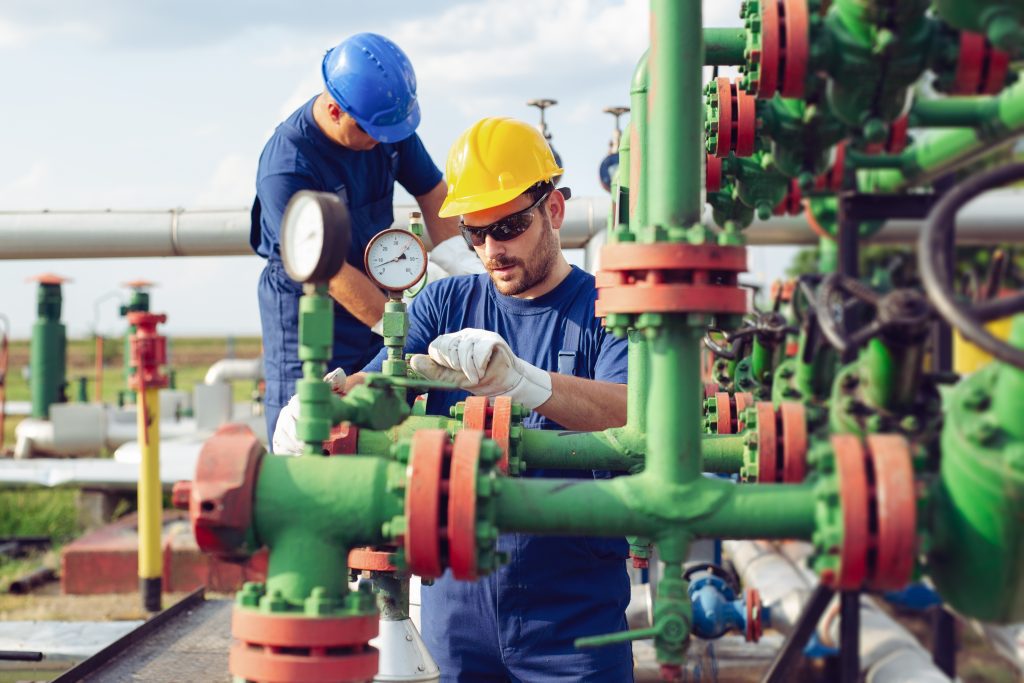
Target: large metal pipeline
(225,232)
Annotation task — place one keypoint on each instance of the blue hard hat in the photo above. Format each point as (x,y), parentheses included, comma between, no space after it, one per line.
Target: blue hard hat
(373,81)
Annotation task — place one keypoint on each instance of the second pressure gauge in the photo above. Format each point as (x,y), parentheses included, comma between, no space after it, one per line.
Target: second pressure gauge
(315,234)
(395,259)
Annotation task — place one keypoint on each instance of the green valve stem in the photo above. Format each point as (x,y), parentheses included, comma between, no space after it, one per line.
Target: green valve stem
(395,328)
(316,328)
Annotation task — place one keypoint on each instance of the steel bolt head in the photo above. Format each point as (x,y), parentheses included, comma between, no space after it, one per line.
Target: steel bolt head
(976,398)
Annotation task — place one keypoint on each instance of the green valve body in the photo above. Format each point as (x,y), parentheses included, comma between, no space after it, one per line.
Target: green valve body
(878,50)
(978,555)
(49,352)
(802,133)
(138,300)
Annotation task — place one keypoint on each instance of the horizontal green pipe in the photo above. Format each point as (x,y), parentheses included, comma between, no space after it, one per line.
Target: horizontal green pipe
(952,112)
(373,442)
(724,46)
(618,450)
(642,506)
(944,151)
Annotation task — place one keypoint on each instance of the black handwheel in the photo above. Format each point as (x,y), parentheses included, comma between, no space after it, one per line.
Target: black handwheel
(935,258)
(901,309)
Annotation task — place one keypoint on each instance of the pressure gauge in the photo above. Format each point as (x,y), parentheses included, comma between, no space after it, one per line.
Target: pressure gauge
(395,259)
(315,235)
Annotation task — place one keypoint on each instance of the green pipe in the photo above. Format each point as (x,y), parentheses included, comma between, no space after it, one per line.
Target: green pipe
(674,402)
(711,508)
(617,450)
(379,442)
(309,527)
(675,114)
(828,255)
(639,380)
(724,46)
(892,373)
(48,365)
(1008,396)
(944,151)
(618,215)
(638,146)
(952,112)
(760,359)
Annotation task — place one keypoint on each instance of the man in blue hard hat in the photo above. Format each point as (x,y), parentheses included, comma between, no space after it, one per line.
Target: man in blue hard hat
(356,139)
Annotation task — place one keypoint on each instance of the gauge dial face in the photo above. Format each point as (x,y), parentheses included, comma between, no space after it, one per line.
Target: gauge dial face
(395,259)
(302,234)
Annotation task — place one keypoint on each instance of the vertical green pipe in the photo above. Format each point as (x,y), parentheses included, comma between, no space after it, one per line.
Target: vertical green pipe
(828,255)
(673,403)
(675,113)
(638,147)
(639,378)
(1009,390)
(48,367)
(760,359)
(893,374)
(316,333)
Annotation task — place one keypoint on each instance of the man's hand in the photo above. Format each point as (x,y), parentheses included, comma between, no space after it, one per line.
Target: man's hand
(456,257)
(285,442)
(483,364)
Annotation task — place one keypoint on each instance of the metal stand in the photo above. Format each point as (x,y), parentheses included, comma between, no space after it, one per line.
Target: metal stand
(792,650)
(849,636)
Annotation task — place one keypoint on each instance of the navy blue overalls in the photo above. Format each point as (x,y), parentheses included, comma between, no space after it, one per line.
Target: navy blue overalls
(299,156)
(519,623)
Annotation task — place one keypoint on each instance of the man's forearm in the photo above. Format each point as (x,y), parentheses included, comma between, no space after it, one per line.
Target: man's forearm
(358,295)
(585,404)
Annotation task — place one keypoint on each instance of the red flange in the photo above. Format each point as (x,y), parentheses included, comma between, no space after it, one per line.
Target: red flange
(794,18)
(671,278)
(742,400)
(474,415)
(793,420)
(723,409)
(851,471)
(771,47)
(726,116)
(767,444)
(501,429)
(423,505)
(896,505)
(832,179)
(462,504)
(148,351)
(220,500)
(372,559)
(967,80)
(897,140)
(998,64)
(344,440)
(712,174)
(755,627)
(746,121)
(287,648)
(710,389)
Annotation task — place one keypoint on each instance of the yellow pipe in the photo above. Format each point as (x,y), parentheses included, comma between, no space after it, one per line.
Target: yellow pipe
(150,500)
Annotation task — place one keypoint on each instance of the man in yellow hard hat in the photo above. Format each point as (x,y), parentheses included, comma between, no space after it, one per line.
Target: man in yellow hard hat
(525,329)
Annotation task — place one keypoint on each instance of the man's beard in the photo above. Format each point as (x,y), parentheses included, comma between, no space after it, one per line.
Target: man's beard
(534,269)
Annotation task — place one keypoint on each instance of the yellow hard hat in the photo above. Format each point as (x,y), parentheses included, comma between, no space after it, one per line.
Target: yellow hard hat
(493,162)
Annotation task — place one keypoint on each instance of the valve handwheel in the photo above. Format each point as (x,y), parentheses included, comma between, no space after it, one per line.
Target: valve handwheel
(935,257)
(902,309)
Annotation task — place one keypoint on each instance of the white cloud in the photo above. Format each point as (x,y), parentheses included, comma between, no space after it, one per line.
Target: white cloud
(14,35)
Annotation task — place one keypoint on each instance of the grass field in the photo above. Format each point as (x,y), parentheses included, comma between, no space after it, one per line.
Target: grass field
(53,513)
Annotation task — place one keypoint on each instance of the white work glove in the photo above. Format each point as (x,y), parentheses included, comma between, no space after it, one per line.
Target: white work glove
(433,274)
(285,442)
(483,364)
(456,257)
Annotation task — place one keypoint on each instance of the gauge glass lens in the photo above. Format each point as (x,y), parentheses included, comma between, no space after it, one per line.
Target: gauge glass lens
(395,260)
(305,236)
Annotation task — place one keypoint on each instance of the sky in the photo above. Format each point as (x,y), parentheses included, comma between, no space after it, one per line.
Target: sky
(121,104)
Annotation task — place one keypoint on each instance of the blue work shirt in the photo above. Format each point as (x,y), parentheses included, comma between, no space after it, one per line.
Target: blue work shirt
(521,621)
(299,156)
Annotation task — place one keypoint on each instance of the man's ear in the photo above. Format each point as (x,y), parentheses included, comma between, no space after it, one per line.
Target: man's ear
(334,111)
(556,209)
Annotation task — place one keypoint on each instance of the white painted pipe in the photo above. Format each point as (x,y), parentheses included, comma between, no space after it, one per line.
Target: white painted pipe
(888,653)
(233,369)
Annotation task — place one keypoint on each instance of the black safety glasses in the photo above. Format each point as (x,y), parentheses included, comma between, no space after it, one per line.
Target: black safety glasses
(509,227)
